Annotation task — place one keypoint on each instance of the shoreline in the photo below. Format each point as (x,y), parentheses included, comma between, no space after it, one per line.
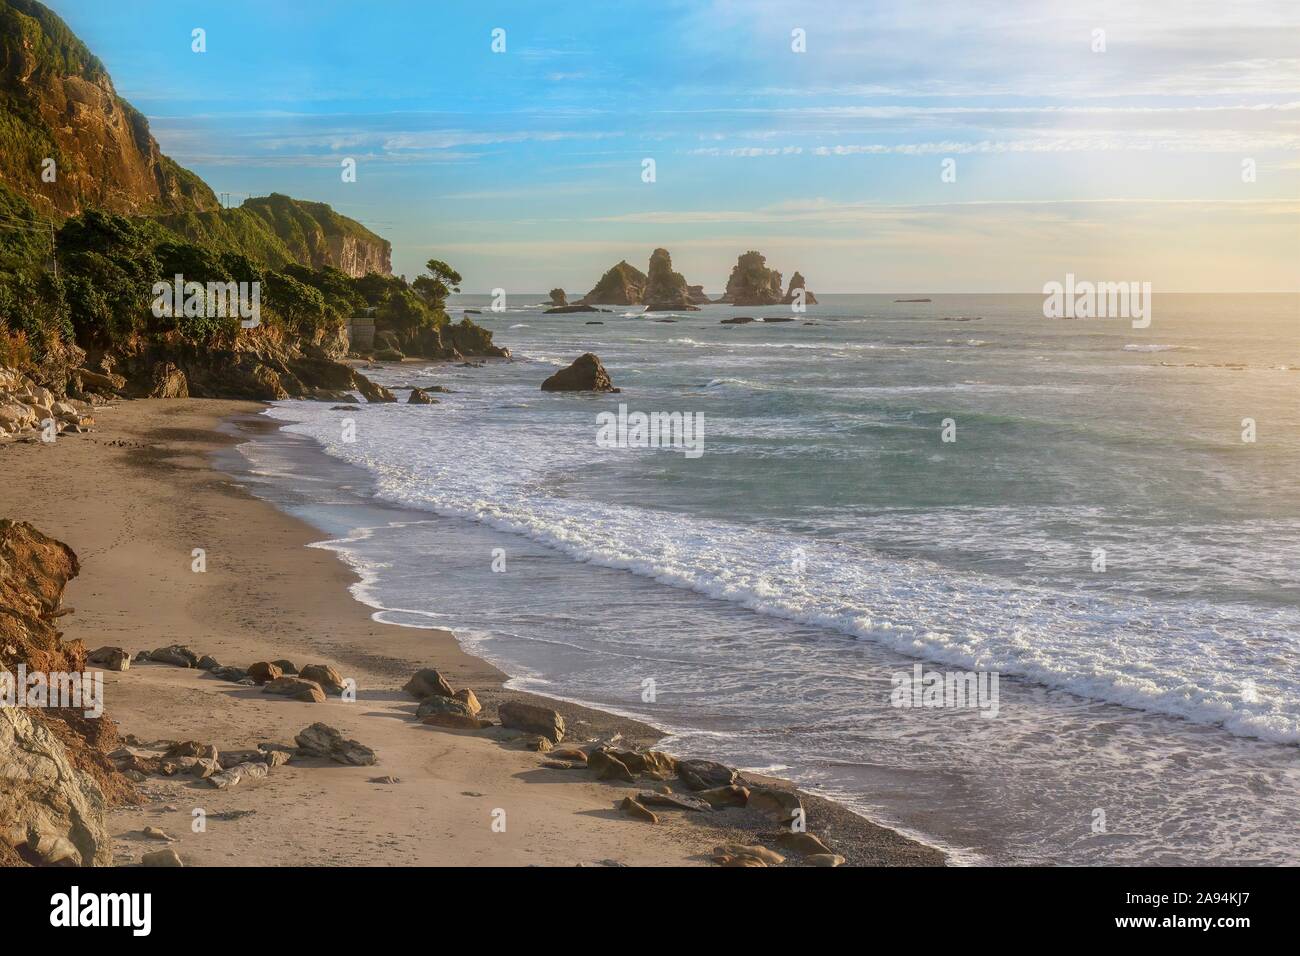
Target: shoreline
(269,594)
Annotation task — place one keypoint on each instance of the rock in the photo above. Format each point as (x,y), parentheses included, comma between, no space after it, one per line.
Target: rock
(732,796)
(372,391)
(804,843)
(203,769)
(622,284)
(90,381)
(178,655)
(419,396)
(796,283)
(442,705)
(738,320)
(752,283)
(769,857)
(697,294)
(322,740)
(330,680)
(208,663)
(57,851)
(653,763)
(705,774)
(307,691)
(384,780)
(153,833)
(428,683)
(723,859)
(665,289)
(110,658)
(564,765)
(466,697)
(679,800)
(167,857)
(533,719)
(42,794)
(636,811)
(824,859)
(538,743)
(142,657)
(233,758)
(569,753)
(225,779)
(453,721)
(168,382)
(594,323)
(567,309)
(586,374)
(389,355)
(232,674)
(778,318)
(558,298)
(264,671)
(608,767)
(782,805)
(276,758)
(287,668)
(191,748)
(253,771)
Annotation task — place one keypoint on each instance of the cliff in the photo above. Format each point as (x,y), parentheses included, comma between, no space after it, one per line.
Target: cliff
(276,230)
(797,283)
(57,102)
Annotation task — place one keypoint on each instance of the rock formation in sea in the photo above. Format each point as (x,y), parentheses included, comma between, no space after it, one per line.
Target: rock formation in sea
(586,374)
(697,295)
(797,282)
(665,290)
(752,283)
(622,284)
(558,298)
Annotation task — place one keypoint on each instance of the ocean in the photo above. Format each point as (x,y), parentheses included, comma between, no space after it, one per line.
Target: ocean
(1105,517)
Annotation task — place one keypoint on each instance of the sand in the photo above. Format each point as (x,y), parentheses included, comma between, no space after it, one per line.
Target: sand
(134,497)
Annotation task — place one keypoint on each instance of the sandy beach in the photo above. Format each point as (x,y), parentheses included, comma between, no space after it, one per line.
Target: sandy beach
(136,496)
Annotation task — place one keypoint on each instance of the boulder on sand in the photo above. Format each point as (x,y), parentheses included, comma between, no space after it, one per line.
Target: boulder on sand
(262,671)
(110,658)
(322,740)
(428,683)
(705,774)
(307,691)
(330,680)
(533,719)
(637,812)
(586,374)
(178,655)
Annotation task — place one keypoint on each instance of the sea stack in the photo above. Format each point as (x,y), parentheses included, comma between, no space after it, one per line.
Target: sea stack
(665,289)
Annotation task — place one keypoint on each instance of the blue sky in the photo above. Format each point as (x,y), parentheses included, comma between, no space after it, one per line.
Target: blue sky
(523,168)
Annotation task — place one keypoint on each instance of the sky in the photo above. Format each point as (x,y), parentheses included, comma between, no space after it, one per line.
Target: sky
(1164,148)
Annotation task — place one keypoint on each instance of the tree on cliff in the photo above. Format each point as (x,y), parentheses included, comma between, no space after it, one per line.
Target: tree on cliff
(441,282)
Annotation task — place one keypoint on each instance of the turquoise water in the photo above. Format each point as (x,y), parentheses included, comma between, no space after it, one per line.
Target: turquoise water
(828,537)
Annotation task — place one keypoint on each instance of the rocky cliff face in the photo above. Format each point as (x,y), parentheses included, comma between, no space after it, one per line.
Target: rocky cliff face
(56,779)
(57,103)
(317,236)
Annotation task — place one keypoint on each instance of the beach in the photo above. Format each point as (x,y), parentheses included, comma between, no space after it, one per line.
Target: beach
(136,496)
